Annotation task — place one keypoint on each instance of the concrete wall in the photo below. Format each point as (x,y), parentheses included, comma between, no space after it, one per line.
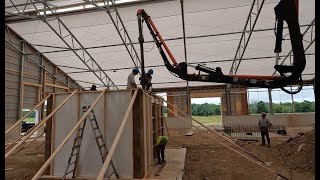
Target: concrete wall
(178,123)
(287,120)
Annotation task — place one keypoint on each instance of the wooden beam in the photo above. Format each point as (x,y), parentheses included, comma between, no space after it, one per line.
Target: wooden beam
(116,139)
(56,151)
(25,116)
(138,156)
(39,125)
(48,131)
(57,86)
(31,84)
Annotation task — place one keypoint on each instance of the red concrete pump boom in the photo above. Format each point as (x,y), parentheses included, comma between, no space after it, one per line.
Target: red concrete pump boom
(284,11)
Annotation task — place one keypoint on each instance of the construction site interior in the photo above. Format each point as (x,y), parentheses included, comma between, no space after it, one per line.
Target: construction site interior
(217,66)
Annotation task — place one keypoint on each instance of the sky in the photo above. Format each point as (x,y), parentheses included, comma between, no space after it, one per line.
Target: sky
(260,94)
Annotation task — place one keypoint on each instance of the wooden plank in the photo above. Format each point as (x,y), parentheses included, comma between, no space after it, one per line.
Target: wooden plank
(25,116)
(116,140)
(49,160)
(31,84)
(190,133)
(57,86)
(38,125)
(48,136)
(137,136)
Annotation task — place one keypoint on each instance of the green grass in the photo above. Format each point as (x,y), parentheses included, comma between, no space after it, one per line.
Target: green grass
(208,120)
(29,120)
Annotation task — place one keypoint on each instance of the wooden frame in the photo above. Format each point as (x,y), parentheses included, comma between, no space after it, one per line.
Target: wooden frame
(39,125)
(25,116)
(50,159)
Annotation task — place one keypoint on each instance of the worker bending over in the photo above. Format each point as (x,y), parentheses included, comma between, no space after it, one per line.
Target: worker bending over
(131,83)
(264,124)
(160,145)
(148,79)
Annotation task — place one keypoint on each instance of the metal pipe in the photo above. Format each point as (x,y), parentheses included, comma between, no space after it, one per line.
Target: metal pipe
(185,57)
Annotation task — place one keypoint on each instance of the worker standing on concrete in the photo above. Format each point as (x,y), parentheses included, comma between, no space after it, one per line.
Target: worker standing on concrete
(160,145)
(264,124)
(131,83)
(148,79)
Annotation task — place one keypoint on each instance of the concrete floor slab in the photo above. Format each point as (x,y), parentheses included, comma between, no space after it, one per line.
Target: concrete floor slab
(174,167)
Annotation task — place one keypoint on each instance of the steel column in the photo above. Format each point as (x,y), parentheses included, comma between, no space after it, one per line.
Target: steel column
(185,57)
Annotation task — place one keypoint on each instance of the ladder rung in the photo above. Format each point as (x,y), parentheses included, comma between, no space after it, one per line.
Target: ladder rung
(70,171)
(99,137)
(76,146)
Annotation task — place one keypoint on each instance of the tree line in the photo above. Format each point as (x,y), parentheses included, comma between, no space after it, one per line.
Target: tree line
(260,106)
(257,107)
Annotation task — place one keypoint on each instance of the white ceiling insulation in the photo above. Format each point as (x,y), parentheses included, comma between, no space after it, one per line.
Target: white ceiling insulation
(213,19)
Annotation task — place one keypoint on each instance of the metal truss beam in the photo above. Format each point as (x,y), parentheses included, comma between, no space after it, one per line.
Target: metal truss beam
(64,33)
(169,39)
(311,28)
(120,27)
(248,28)
(82,70)
(27,14)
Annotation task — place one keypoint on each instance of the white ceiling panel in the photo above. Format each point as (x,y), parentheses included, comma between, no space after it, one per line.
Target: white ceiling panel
(218,22)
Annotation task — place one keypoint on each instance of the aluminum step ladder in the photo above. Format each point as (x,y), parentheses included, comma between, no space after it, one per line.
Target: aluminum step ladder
(74,156)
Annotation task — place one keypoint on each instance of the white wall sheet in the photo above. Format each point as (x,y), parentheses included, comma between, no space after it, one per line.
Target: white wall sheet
(64,120)
(117,103)
(90,159)
(202,18)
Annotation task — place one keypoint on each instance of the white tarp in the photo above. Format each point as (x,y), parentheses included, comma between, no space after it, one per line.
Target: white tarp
(202,18)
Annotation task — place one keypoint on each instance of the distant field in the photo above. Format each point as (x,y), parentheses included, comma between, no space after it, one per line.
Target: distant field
(29,120)
(208,120)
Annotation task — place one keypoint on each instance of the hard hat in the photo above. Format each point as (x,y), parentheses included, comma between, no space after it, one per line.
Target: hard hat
(136,70)
(150,71)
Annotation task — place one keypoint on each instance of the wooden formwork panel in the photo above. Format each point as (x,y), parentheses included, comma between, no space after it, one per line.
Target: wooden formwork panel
(136,141)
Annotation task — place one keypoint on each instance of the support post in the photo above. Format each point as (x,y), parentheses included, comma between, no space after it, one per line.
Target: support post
(48,132)
(138,138)
(185,57)
(270,101)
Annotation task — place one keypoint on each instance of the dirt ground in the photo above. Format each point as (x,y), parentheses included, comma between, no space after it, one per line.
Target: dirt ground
(205,159)
(25,164)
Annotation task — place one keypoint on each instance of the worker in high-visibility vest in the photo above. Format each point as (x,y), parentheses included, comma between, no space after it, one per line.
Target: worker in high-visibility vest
(160,145)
